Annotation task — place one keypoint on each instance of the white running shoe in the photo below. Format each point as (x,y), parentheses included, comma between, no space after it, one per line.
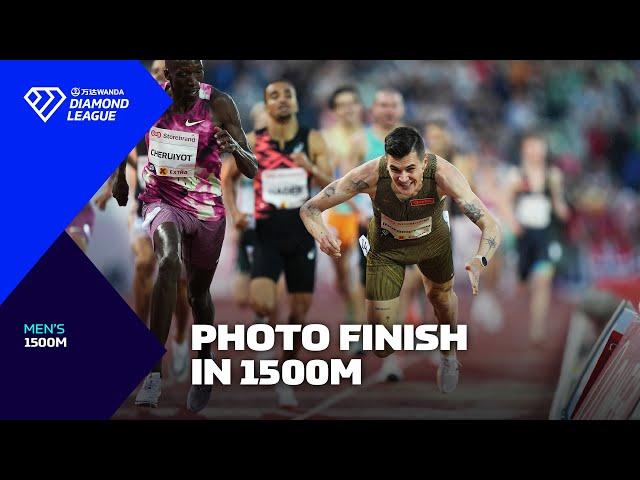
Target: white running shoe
(391,371)
(286,396)
(448,370)
(149,394)
(180,360)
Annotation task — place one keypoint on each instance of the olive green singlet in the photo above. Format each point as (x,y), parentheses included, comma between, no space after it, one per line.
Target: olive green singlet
(413,231)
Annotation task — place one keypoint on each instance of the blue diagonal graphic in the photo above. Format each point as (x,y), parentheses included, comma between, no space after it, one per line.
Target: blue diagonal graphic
(52,169)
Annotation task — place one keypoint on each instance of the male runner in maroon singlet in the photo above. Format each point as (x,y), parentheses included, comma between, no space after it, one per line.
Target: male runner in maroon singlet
(144,256)
(183,206)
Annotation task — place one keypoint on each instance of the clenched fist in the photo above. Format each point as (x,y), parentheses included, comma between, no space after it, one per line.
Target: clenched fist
(226,143)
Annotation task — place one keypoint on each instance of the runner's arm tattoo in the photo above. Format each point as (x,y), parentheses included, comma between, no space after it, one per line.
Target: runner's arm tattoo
(330,190)
(337,192)
(354,186)
(453,183)
(310,209)
(492,242)
(360,185)
(472,211)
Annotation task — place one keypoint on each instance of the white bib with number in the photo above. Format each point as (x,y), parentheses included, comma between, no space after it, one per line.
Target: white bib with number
(406,230)
(534,210)
(173,153)
(285,187)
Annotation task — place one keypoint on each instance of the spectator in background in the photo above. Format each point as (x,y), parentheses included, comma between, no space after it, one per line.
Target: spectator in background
(345,140)
(589,109)
(536,192)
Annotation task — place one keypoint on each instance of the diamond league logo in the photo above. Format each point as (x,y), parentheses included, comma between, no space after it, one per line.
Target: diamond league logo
(43,100)
(87,104)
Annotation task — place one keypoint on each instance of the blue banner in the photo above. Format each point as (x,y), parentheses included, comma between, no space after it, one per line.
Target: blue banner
(67,126)
(70,347)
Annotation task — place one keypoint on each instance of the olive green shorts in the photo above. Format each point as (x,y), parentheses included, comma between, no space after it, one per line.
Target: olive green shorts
(385,272)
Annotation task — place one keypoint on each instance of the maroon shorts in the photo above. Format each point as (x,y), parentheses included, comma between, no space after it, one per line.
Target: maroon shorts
(201,241)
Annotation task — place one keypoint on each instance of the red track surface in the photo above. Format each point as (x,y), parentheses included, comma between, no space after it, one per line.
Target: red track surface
(502,376)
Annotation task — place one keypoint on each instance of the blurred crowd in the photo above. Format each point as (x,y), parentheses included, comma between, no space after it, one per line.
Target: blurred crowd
(589,111)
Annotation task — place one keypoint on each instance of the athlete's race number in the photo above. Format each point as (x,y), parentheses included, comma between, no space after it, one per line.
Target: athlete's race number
(173,153)
(406,230)
(285,187)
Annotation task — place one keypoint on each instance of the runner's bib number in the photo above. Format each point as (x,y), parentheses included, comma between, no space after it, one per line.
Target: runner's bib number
(173,153)
(534,211)
(285,187)
(406,230)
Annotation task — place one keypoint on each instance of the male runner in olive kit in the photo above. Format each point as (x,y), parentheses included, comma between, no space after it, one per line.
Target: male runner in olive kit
(407,189)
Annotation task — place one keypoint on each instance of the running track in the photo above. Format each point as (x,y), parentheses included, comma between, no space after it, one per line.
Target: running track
(502,376)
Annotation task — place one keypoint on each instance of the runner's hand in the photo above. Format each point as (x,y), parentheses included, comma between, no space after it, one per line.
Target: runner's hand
(330,245)
(302,160)
(226,143)
(120,191)
(241,222)
(473,268)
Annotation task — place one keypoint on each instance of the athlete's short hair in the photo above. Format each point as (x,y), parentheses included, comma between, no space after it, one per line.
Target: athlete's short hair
(402,141)
(343,89)
(279,80)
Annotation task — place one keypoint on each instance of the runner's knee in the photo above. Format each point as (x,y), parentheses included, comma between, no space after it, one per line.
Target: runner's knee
(262,305)
(169,264)
(262,296)
(441,295)
(199,301)
(144,264)
(241,292)
(241,300)
(299,308)
(167,246)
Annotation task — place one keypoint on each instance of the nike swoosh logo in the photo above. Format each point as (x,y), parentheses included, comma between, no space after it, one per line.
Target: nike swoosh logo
(191,124)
